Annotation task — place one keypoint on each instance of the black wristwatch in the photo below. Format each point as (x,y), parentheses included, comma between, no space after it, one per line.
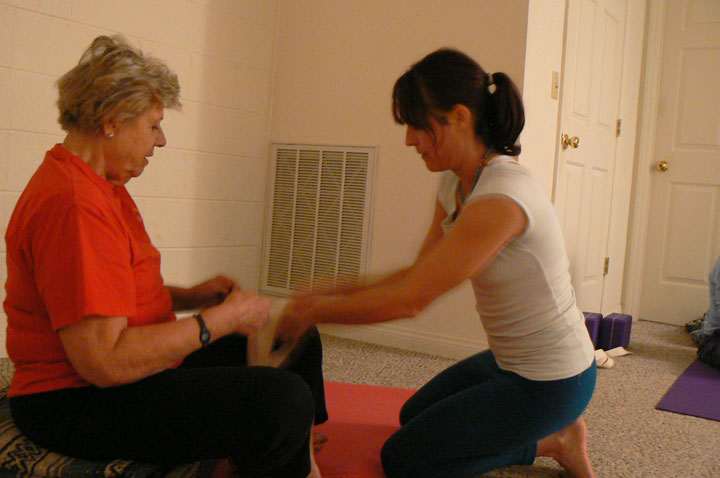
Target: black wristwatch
(204,332)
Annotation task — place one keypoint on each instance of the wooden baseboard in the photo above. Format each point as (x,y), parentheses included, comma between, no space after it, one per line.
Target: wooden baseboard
(407,339)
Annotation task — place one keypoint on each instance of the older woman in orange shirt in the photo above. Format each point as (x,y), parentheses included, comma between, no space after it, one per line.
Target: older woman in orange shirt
(103,368)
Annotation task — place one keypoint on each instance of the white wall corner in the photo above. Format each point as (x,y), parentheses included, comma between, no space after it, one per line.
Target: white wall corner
(543,56)
(640,199)
(618,242)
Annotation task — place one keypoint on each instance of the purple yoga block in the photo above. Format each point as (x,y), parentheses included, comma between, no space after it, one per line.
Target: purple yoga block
(592,322)
(614,331)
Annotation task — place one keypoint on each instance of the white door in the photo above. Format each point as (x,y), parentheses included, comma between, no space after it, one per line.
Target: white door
(683,238)
(590,102)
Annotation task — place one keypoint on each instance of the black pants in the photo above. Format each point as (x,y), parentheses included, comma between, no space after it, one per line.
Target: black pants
(212,406)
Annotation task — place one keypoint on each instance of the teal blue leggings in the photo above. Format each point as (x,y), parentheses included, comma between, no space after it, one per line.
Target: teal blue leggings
(475,417)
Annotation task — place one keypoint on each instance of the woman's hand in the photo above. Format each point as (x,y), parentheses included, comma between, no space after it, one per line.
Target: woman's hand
(296,317)
(205,294)
(215,289)
(248,310)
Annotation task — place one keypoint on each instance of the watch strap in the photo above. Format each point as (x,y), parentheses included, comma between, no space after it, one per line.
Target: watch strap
(204,332)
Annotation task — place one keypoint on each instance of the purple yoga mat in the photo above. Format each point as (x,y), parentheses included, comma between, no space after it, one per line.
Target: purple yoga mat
(695,392)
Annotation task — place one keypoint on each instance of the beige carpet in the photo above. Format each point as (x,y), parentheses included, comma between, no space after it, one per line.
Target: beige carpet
(628,437)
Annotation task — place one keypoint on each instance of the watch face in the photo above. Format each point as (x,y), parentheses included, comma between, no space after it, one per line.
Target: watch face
(205,336)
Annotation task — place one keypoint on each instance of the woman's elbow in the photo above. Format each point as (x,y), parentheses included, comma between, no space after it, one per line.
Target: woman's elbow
(102,375)
(104,382)
(412,305)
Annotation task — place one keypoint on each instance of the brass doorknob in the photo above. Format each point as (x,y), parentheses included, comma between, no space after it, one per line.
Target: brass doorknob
(662,166)
(572,141)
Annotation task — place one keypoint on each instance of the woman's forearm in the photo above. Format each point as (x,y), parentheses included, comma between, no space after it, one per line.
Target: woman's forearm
(183,298)
(106,352)
(163,345)
(354,289)
(388,300)
(205,294)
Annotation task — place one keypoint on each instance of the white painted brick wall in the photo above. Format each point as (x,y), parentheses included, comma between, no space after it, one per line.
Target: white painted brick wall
(202,195)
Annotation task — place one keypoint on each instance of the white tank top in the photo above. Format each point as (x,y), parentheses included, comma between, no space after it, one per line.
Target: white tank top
(524,297)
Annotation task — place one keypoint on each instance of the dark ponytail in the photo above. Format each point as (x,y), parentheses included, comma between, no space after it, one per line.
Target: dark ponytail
(447,77)
(505,117)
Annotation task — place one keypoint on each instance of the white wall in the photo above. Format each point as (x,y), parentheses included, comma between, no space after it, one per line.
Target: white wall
(336,66)
(202,195)
(543,56)
(336,62)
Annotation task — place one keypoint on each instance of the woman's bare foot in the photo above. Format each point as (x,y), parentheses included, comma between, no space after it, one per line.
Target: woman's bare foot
(224,469)
(569,448)
(314,470)
(318,441)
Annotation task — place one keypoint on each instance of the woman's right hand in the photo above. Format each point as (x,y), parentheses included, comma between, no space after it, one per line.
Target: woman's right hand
(248,309)
(295,318)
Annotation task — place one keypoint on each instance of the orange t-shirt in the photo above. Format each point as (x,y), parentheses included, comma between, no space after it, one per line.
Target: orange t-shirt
(76,246)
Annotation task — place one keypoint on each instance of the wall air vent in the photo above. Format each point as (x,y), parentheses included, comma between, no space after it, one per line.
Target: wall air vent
(317,222)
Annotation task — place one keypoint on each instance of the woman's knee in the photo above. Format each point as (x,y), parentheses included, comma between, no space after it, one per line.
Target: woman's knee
(288,410)
(396,457)
(409,411)
(290,401)
(389,458)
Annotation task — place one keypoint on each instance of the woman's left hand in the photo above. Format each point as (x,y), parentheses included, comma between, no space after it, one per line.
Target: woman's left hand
(217,286)
(214,291)
(206,294)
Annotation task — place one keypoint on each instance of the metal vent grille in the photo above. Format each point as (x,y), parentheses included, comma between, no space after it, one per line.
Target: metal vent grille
(317,223)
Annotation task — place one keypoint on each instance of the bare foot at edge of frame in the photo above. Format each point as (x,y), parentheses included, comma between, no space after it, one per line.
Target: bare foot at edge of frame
(318,441)
(569,448)
(314,470)
(224,469)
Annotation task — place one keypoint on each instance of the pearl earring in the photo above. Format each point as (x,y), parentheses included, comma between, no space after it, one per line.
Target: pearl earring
(110,134)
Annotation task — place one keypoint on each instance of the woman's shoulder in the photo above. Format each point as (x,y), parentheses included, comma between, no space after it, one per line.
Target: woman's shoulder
(56,188)
(507,165)
(506,177)
(504,172)
(56,185)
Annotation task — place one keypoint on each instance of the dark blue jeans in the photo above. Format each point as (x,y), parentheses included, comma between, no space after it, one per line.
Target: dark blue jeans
(475,417)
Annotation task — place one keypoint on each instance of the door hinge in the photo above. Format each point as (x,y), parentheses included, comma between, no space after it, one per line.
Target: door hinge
(617,127)
(607,266)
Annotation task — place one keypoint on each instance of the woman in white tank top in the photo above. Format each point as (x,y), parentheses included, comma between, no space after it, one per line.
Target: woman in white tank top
(493,225)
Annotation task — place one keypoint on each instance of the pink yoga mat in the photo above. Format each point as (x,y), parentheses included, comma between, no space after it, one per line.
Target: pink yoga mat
(362,417)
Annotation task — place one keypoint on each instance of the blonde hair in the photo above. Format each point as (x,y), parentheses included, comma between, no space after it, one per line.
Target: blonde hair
(113,80)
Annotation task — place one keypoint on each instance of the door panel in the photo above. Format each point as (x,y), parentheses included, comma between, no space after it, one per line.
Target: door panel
(591,97)
(683,224)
